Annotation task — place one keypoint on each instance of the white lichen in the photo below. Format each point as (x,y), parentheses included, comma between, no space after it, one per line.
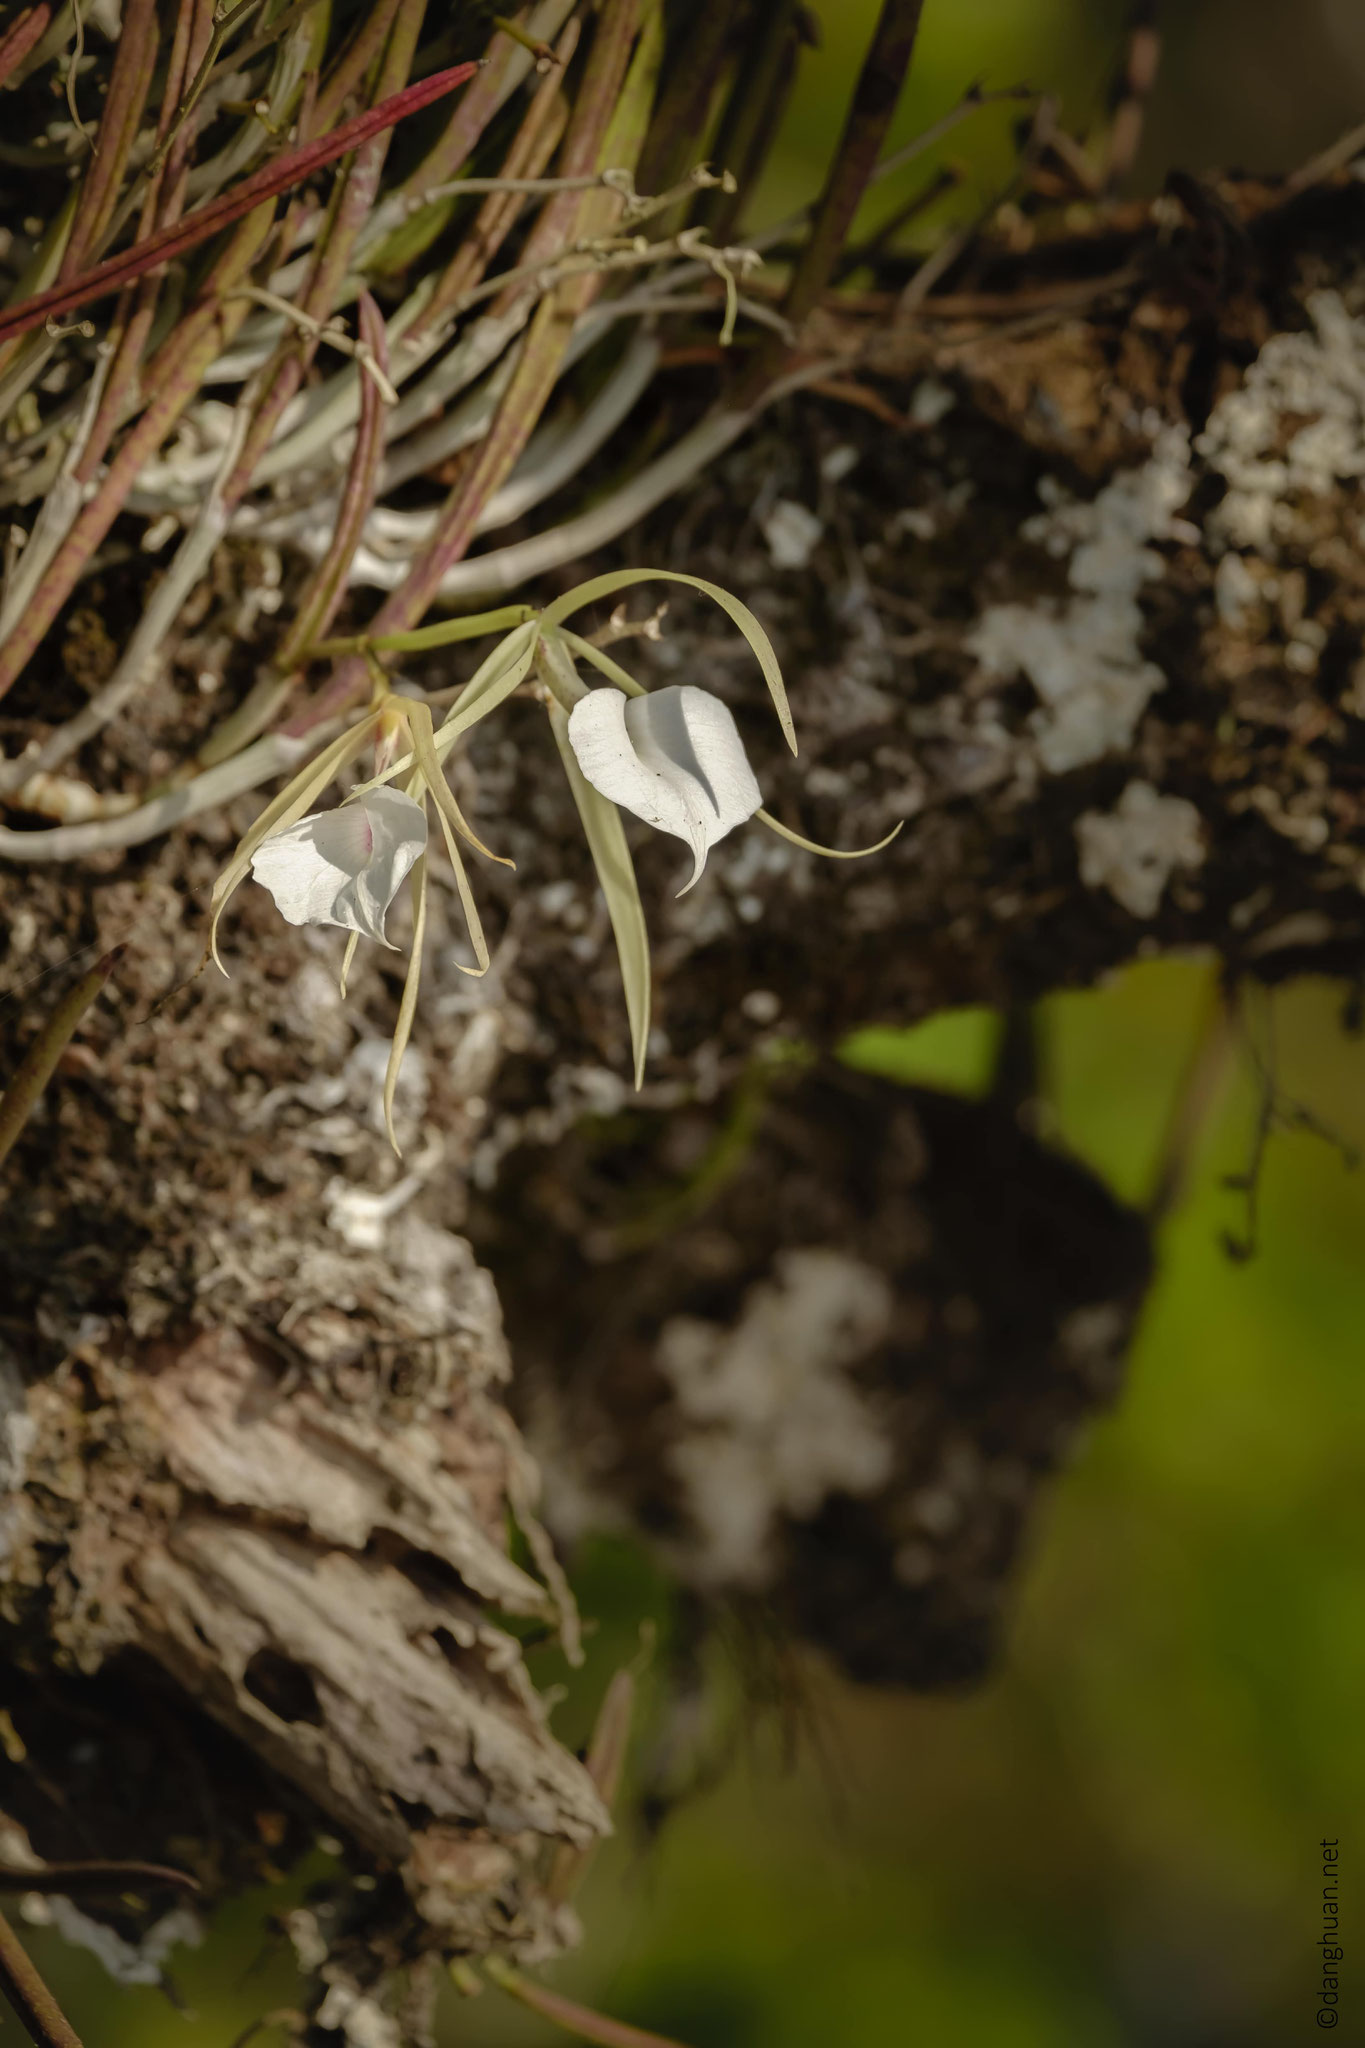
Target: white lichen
(360,2022)
(360,1216)
(931,401)
(127,1962)
(772,1425)
(792,532)
(1295,426)
(17,1433)
(1236,592)
(1083,656)
(1133,850)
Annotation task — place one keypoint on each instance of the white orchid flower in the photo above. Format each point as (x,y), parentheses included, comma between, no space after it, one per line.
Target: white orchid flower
(344,867)
(673,758)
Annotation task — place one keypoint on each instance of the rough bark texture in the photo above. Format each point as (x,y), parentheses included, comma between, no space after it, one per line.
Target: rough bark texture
(1080,598)
(258,1471)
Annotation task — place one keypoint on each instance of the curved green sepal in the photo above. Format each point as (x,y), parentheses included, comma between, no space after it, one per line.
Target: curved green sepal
(829,852)
(622,579)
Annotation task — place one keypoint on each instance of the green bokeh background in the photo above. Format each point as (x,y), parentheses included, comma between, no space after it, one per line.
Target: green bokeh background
(1114,1843)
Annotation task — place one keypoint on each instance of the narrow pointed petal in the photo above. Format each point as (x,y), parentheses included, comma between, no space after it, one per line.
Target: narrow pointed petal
(344,867)
(827,852)
(673,758)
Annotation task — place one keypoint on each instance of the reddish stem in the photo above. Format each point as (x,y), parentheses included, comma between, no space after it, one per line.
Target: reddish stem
(290,169)
(350,209)
(20,37)
(162,203)
(180,368)
(574,2018)
(546,340)
(318,606)
(529,156)
(129,80)
(351,68)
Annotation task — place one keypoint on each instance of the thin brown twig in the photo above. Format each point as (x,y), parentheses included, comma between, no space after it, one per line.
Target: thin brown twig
(1334,158)
(1141,63)
(71,1879)
(30,2000)
(869,117)
(945,256)
(572,2017)
(1207,1067)
(972,101)
(20,37)
(223,25)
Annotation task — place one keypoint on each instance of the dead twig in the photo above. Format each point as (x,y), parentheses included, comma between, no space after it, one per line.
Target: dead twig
(30,2000)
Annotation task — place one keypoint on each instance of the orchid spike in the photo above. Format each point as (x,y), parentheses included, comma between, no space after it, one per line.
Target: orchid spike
(673,758)
(344,867)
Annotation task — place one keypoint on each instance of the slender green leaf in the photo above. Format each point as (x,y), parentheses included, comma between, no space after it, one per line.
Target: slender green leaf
(557,671)
(605,1762)
(35,1070)
(488,687)
(422,638)
(621,579)
(467,903)
(407,1008)
(616,873)
(491,683)
(424,749)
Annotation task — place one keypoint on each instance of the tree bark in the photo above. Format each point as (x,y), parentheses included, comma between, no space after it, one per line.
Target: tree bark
(1078,597)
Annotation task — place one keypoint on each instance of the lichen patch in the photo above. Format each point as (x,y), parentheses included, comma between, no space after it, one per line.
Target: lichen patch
(773,1425)
(1133,850)
(1084,656)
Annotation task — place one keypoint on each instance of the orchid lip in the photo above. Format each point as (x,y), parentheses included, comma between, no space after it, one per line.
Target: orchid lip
(344,867)
(673,757)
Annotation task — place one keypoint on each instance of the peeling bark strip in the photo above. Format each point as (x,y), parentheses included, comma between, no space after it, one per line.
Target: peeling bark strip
(317,1579)
(255,1480)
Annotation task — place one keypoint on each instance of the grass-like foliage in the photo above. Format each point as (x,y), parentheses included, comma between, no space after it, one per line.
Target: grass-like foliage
(304,296)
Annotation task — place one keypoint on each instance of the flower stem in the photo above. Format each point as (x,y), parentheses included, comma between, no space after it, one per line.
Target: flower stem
(423,637)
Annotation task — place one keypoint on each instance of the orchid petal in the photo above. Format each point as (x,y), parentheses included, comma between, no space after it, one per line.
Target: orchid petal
(673,758)
(344,867)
